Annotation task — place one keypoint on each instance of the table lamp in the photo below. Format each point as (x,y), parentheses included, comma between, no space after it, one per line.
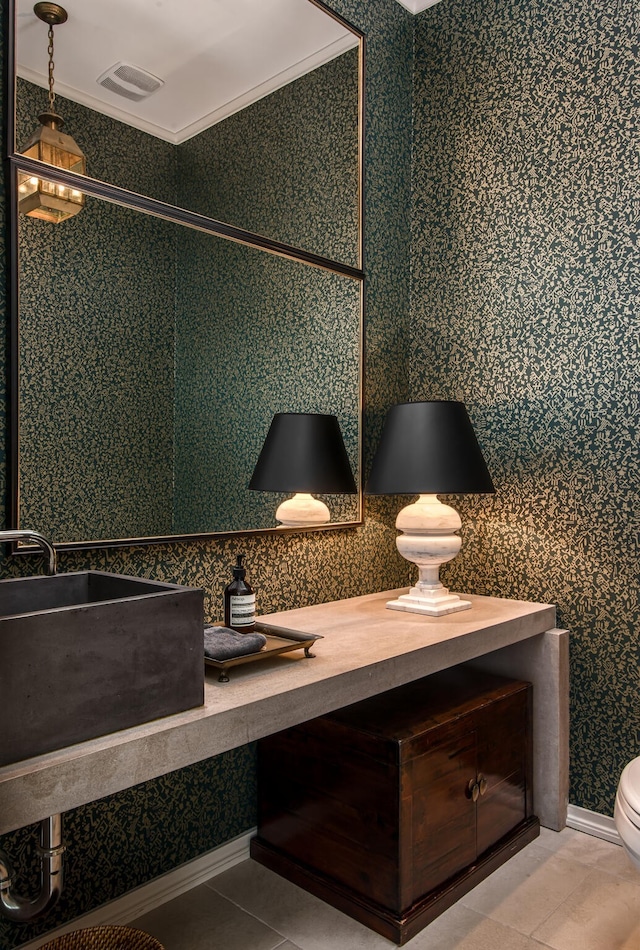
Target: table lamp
(427,448)
(303,452)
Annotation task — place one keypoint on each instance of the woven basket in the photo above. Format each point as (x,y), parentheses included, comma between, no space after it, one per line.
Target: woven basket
(104,938)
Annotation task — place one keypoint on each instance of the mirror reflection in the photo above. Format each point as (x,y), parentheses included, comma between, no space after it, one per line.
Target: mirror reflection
(150,351)
(152,359)
(245,111)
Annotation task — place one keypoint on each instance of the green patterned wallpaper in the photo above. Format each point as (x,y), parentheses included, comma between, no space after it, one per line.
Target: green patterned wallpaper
(525,305)
(286,569)
(97,317)
(286,166)
(97,355)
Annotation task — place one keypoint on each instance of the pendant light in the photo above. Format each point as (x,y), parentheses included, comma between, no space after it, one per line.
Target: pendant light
(38,197)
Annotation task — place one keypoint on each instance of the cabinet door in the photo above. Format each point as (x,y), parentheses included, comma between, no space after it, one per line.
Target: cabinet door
(439,838)
(502,769)
(332,810)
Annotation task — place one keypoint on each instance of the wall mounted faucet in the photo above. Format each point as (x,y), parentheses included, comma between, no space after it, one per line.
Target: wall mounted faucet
(33,536)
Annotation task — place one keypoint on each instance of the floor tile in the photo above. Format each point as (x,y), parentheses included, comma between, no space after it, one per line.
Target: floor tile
(602,913)
(300,917)
(587,849)
(460,928)
(203,920)
(527,889)
(565,891)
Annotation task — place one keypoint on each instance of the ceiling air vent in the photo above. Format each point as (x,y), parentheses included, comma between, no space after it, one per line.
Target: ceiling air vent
(129,81)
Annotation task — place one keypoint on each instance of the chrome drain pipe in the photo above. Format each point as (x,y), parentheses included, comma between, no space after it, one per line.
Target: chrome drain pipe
(51,850)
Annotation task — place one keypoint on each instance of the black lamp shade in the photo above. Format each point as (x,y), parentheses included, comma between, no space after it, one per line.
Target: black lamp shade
(303,452)
(428,448)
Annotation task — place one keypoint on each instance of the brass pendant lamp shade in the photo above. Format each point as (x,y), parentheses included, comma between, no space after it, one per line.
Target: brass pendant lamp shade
(38,197)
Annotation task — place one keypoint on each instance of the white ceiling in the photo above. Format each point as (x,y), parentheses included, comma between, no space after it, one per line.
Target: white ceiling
(417,6)
(214,56)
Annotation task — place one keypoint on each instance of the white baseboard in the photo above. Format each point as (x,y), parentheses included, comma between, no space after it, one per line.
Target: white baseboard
(600,826)
(147,897)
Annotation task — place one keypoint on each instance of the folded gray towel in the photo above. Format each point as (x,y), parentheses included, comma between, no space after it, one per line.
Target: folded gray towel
(221,643)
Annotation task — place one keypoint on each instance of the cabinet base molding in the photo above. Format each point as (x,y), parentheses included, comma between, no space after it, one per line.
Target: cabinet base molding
(399,929)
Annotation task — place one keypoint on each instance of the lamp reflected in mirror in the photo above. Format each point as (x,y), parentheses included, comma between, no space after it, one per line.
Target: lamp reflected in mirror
(304,453)
(38,197)
(428,448)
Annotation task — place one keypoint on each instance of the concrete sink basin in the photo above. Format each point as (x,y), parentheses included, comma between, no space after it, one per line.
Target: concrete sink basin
(86,654)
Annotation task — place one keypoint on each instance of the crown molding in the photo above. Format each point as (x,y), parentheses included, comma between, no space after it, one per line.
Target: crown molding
(417,6)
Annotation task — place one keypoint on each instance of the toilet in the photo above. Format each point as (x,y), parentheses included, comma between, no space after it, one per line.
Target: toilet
(626,813)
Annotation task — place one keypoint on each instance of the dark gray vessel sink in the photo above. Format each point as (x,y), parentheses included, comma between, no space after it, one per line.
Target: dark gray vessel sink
(89,653)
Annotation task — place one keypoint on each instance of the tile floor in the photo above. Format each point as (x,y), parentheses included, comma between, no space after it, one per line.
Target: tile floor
(569,891)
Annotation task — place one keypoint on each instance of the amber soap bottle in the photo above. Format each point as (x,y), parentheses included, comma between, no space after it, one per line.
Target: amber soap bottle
(239,601)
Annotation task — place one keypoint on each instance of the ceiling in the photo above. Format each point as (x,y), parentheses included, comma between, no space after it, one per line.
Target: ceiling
(213,56)
(417,6)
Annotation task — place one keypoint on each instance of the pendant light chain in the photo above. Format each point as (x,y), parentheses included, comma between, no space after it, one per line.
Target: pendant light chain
(52,95)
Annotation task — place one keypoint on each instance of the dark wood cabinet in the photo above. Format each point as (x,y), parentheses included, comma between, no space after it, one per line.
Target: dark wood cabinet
(394,807)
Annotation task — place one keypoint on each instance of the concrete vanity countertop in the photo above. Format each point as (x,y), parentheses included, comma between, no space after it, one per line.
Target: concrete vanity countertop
(366,650)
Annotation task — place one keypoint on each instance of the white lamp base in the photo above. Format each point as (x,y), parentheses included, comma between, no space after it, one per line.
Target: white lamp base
(303,511)
(429,539)
(434,603)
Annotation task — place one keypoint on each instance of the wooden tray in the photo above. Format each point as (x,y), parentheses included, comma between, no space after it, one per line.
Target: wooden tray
(279,640)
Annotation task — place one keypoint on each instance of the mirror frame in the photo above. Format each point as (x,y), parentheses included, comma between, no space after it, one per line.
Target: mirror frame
(15,162)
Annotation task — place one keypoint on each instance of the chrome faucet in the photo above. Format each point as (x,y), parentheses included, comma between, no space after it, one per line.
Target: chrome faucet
(33,536)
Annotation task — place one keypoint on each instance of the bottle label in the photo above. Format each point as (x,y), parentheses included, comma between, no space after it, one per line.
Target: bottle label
(242,610)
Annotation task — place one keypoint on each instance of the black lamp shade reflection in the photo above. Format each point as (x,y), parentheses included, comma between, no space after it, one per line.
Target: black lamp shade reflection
(304,452)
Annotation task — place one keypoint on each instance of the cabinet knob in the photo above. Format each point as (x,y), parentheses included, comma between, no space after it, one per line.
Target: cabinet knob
(472,790)
(482,784)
